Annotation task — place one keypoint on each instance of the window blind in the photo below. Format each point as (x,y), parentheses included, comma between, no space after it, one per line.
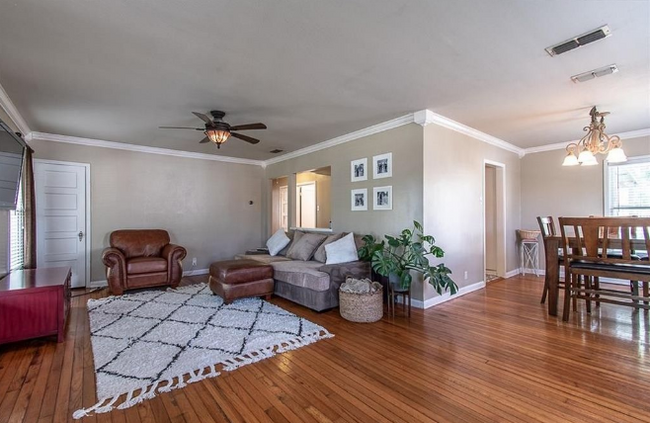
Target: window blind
(17,235)
(627,188)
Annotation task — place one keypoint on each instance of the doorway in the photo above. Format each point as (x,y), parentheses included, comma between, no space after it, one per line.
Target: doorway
(63,218)
(306,205)
(494,205)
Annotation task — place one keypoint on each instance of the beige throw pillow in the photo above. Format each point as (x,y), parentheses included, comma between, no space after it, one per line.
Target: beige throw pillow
(320,255)
(305,247)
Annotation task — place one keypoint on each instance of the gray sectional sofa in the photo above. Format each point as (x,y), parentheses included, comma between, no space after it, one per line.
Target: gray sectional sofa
(310,283)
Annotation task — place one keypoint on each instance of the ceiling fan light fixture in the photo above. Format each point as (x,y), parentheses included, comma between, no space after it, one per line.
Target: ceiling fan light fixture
(217,135)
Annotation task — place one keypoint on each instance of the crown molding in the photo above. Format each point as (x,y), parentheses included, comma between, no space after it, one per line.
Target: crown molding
(41,136)
(562,145)
(427,117)
(11,110)
(374,129)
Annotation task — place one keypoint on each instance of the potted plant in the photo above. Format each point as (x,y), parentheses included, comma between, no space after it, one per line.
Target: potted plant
(397,256)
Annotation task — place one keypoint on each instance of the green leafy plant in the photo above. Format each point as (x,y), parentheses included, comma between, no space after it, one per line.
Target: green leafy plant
(397,256)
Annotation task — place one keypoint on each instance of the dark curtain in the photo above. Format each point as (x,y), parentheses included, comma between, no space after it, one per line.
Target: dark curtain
(29,207)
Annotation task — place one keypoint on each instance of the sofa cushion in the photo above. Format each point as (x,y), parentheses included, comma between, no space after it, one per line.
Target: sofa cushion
(261,258)
(277,242)
(139,242)
(342,251)
(320,255)
(306,246)
(303,274)
(139,265)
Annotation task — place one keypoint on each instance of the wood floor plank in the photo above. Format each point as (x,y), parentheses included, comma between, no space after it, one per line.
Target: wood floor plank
(493,355)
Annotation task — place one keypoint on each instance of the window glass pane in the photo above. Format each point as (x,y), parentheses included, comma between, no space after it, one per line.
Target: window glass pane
(628,188)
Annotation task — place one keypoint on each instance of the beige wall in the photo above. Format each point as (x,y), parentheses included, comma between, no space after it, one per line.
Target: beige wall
(406,145)
(549,189)
(453,207)
(203,204)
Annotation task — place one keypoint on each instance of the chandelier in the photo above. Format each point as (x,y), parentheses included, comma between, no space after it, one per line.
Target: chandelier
(596,141)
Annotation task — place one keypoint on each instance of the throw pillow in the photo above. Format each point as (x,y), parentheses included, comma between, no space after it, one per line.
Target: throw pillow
(296,237)
(305,247)
(320,255)
(286,249)
(277,242)
(342,251)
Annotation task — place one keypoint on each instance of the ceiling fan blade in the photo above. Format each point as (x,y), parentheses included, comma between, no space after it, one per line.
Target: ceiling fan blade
(248,126)
(245,138)
(181,127)
(203,117)
(204,140)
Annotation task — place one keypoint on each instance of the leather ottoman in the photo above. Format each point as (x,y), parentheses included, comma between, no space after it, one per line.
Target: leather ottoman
(232,279)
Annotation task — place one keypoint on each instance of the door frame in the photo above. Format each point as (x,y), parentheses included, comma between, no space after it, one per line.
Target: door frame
(502,265)
(299,201)
(87,231)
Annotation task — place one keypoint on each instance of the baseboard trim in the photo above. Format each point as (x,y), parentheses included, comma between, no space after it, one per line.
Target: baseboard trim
(196,272)
(98,284)
(512,273)
(431,302)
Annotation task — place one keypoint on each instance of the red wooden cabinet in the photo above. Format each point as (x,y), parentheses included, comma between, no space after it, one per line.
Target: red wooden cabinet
(34,303)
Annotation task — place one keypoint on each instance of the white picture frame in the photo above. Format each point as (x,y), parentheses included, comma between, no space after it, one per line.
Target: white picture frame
(382,166)
(382,198)
(359,199)
(359,170)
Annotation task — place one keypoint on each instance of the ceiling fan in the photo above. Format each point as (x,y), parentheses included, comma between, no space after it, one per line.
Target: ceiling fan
(218,131)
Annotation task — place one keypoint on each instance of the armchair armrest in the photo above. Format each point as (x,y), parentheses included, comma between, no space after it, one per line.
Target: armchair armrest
(174,254)
(115,264)
(339,272)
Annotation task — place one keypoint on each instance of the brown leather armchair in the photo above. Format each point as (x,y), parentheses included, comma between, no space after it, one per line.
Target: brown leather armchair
(141,258)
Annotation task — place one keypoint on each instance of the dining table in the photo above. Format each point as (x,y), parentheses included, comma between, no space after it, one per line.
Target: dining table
(552,245)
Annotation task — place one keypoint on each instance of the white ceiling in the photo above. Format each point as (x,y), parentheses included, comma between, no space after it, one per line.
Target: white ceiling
(116,70)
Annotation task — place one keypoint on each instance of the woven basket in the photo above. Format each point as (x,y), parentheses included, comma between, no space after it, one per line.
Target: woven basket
(362,308)
(528,234)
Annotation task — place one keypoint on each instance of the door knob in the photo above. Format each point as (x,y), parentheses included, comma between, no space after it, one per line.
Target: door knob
(81,235)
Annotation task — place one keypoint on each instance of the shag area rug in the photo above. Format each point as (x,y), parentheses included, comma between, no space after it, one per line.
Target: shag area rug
(157,341)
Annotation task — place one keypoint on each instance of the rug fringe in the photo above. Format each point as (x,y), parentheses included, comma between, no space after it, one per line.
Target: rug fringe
(150,391)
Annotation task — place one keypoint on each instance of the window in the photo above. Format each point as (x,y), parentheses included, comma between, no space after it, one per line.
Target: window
(16,235)
(627,188)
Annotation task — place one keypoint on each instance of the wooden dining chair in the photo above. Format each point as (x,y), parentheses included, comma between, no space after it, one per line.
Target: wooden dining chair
(592,251)
(547,226)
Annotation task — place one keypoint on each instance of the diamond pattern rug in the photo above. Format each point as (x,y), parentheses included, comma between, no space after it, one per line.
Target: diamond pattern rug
(156,341)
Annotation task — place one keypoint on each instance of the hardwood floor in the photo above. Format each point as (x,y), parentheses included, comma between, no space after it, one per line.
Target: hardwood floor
(492,355)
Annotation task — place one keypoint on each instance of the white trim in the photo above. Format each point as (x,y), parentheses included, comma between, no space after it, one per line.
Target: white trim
(427,117)
(322,230)
(504,241)
(431,302)
(562,145)
(11,110)
(371,130)
(138,148)
(88,229)
(512,273)
(196,272)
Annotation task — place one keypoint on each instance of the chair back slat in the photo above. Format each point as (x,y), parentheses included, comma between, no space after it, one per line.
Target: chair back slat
(613,240)
(547,226)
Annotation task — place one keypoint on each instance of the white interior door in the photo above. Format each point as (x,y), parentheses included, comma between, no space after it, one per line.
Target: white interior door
(306,205)
(61,210)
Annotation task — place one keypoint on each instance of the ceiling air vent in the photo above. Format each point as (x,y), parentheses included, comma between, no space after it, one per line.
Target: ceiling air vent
(596,73)
(579,41)
(276,151)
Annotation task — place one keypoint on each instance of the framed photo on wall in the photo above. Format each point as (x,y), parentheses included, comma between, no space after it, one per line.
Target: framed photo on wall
(382,198)
(359,170)
(382,166)
(359,199)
